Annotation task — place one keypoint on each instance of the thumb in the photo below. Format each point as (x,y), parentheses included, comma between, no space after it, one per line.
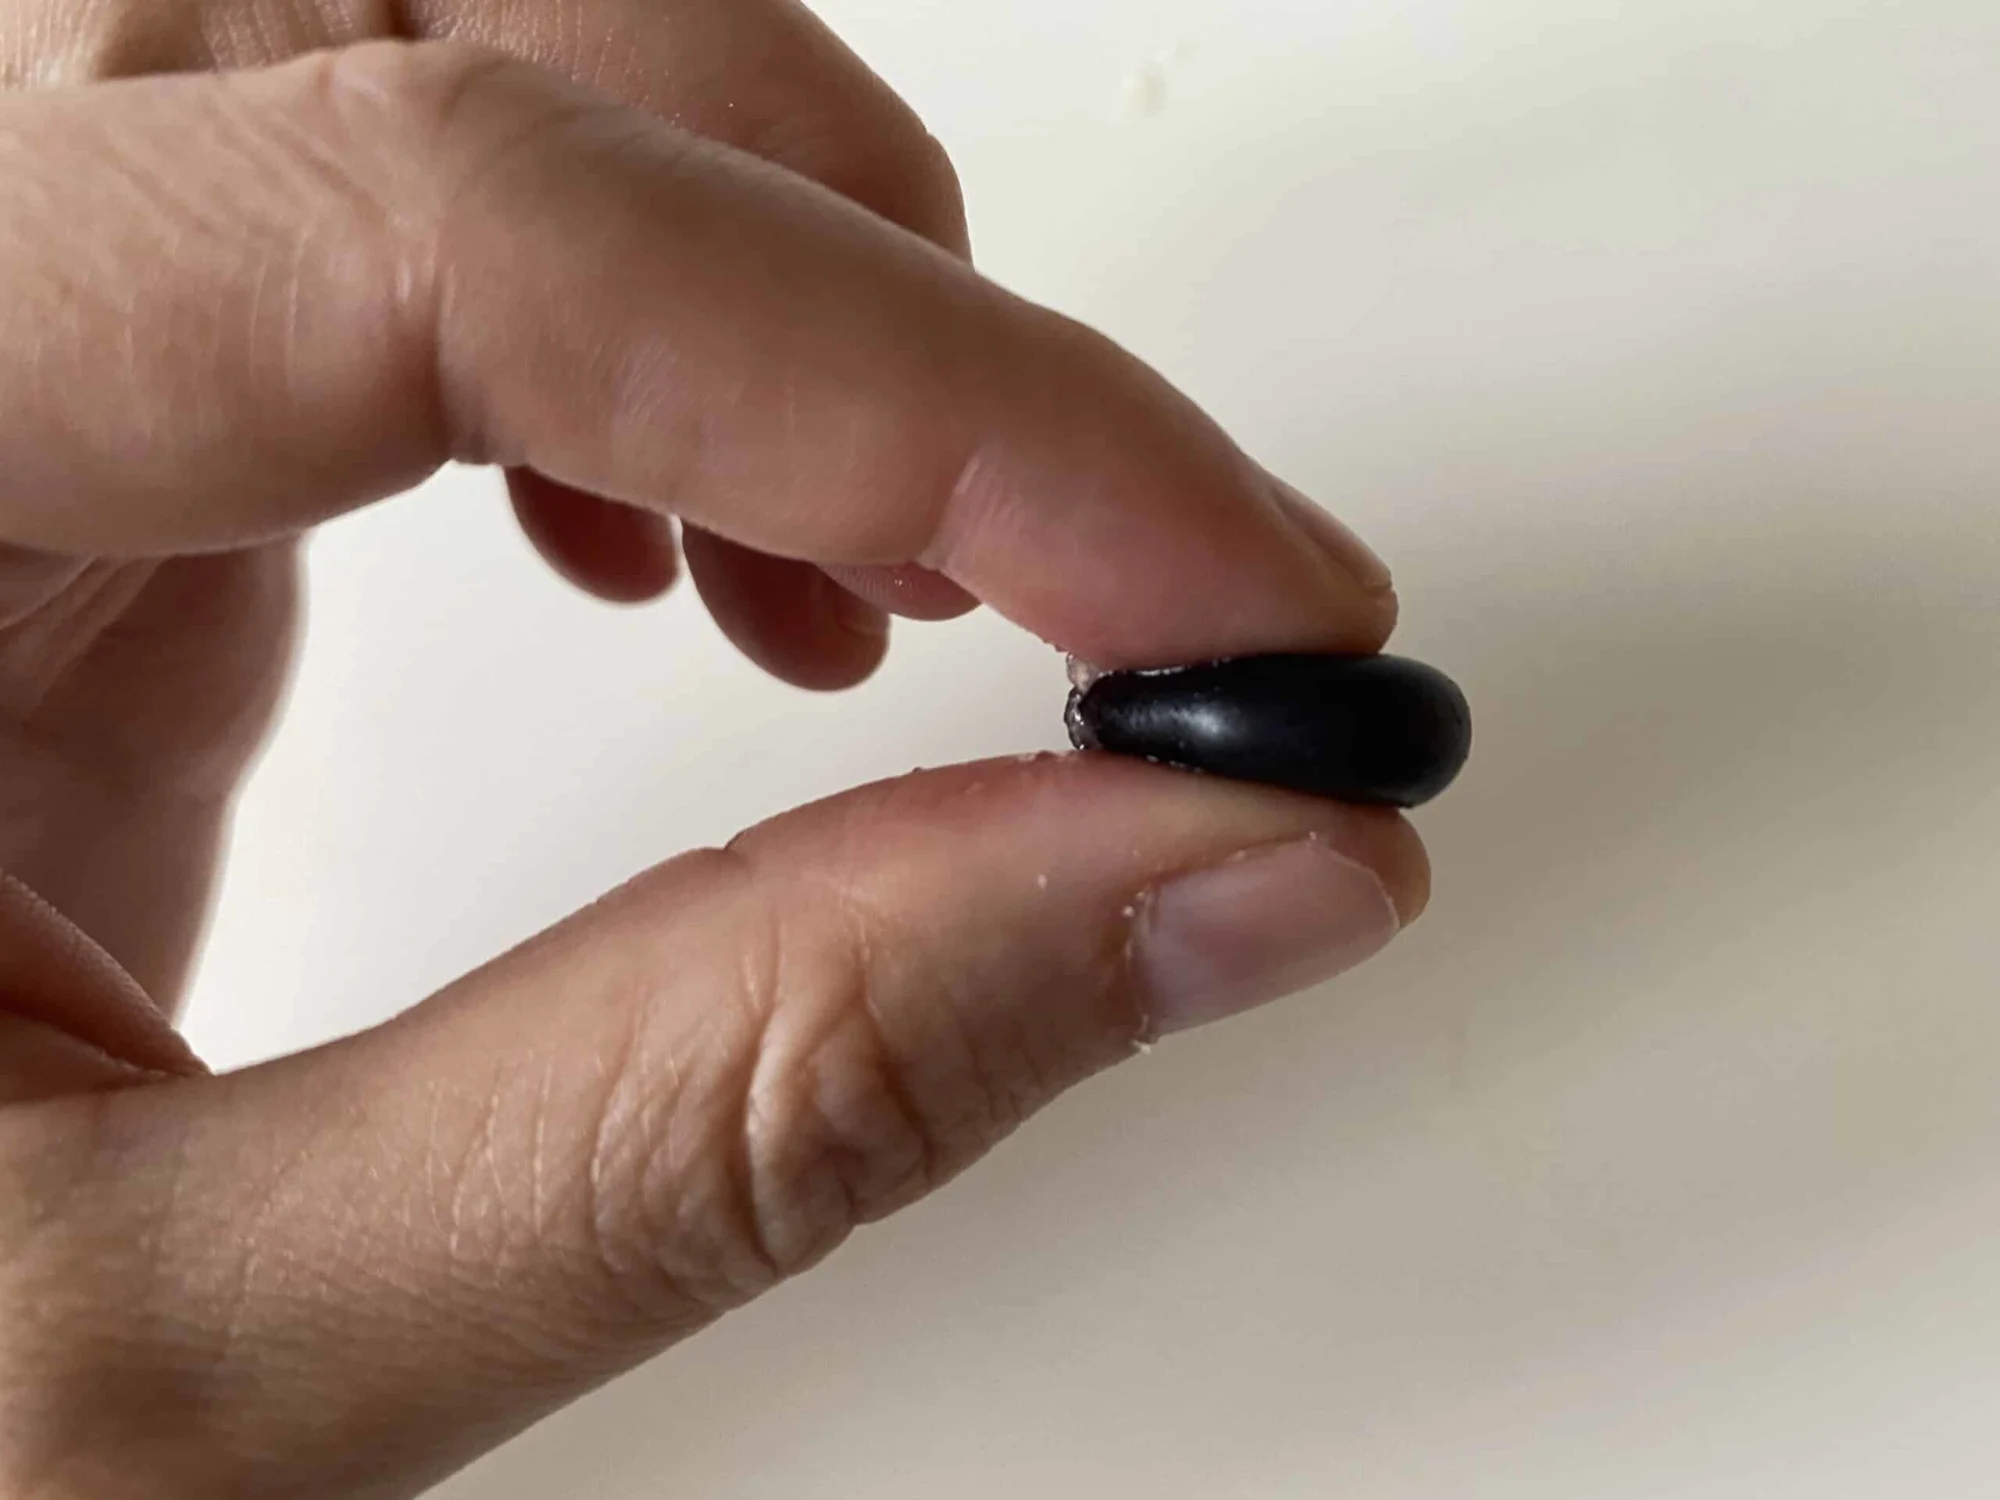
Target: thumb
(368,1263)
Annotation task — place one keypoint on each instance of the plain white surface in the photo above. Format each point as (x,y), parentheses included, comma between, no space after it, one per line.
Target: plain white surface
(1658,347)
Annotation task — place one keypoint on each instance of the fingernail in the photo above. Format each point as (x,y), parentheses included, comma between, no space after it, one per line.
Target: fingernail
(1264,925)
(1346,550)
(854,614)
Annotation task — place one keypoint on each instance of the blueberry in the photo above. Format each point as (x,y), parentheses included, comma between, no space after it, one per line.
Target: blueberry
(1367,729)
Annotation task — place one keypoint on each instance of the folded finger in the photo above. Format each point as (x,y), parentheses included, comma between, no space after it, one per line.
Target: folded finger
(618,552)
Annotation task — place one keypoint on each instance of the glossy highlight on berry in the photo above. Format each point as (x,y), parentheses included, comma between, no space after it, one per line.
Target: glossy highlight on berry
(1376,730)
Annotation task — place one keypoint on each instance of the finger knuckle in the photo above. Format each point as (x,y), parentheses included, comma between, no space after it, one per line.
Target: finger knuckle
(397,129)
(457,138)
(869,1086)
(804,1109)
(420,86)
(467,110)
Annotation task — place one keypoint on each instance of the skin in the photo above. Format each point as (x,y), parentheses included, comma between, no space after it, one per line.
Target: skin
(680,267)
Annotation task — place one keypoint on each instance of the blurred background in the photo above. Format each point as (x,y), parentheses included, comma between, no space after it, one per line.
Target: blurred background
(1657,345)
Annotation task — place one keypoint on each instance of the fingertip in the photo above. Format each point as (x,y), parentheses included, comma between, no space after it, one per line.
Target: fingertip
(786,616)
(1341,544)
(907,590)
(863,627)
(614,552)
(1390,846)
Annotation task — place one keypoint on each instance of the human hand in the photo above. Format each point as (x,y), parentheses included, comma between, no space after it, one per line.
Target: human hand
(237,305)
(133,690)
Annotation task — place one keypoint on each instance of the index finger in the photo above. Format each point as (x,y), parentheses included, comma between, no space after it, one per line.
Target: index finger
(309,286)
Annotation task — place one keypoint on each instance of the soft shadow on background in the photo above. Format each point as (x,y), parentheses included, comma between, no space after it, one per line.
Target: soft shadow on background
(1661,354)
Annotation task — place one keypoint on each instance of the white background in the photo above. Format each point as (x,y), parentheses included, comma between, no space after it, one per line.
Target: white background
(1658,346)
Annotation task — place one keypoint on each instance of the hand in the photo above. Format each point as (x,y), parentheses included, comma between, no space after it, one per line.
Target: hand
(133,689)
(238,304)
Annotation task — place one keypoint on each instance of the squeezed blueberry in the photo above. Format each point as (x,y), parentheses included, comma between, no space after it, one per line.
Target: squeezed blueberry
(1379,730)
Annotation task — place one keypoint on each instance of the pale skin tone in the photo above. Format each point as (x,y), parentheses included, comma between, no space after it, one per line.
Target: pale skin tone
(700,284)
